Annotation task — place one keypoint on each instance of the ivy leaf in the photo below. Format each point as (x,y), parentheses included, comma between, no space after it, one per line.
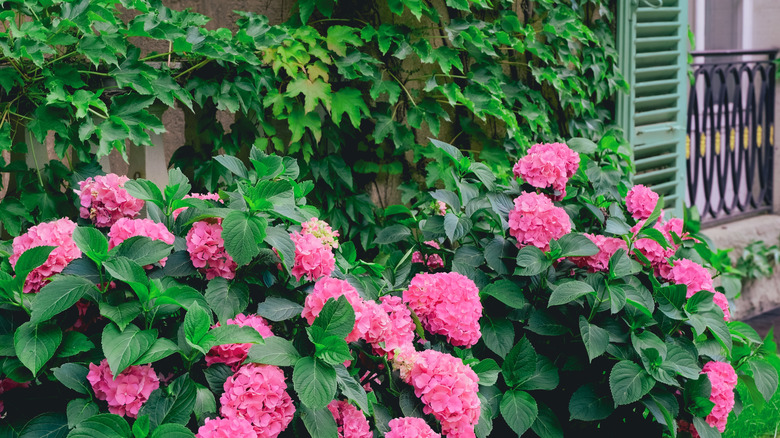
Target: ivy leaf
(338,38)
(350,101)
(312,92)
(519,410)
(629,382)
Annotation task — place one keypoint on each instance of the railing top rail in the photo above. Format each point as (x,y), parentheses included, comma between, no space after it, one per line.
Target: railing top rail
(736,52)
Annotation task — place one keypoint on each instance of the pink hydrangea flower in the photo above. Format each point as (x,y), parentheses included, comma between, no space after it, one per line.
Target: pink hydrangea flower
(693,275)
(447,303)
(608,246)
(327,288)
(104,200)
(433,261)
(696,278)
(203,196)
(410,427)
(236,427)
(321,230)
(7,385)
(641,202)
(448,389)
(57,233)
(401,332)
(125,228)
(313,259)
(375,325)
(234,355)
(350,420)
(548,165)
(207,251)
(535,221)
(258,394)
(441,208)
(723,380)
(128,392)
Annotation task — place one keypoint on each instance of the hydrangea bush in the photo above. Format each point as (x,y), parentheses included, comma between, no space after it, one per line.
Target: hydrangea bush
(550,304)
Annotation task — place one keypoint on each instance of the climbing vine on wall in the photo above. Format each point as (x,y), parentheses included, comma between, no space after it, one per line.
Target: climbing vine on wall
(351,87)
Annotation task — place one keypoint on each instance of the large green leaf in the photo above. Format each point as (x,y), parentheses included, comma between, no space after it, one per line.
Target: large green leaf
(519,410)
(567,292)
(577,245)
(587,405)
(122,349)
(595,338)
(507,292)
(49,425)
(60,295)
(274,351)
(102,426)
(629,382)
(172,406)
(91,242)
(314,381)
(226,299)
(498,335)
(241,232)
(35,344)
(351,388)
(520,363)
(73,376)
(319,422)
(278,309)
(337,318)
(143,250)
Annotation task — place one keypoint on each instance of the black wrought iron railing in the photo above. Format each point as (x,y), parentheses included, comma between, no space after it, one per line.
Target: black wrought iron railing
(730,142)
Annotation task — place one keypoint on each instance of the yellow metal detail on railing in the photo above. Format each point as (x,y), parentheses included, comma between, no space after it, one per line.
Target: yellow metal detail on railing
(745,137)
(717,143)
(687,146)
(703,144)
(759,137)
(772,134)
(732,139)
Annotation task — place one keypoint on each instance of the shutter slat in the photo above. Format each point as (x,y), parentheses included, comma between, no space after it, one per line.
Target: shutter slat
(652,45)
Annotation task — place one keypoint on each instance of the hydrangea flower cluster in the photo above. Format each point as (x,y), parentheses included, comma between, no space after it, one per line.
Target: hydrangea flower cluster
(723,380)
(125,228)
(127,392)
(207,251)
(408,427)
(548,165)
(321,230)
(641,201)
(608,246)
(401,331)
(57,233)
(313,259)
(236,427)
(653,251)
(447,303)
(441,208)
(104,200)
(327,288)
(258,394)
(433,261)
(233,355)
(7,385)
(350,420)
(535,221)
(696,278)
(203,196)
(447,387)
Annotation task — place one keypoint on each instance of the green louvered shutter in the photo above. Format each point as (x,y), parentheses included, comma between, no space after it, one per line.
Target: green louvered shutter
(652,43)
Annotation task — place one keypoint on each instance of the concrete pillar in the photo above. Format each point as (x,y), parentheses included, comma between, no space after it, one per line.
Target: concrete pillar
(149,162)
